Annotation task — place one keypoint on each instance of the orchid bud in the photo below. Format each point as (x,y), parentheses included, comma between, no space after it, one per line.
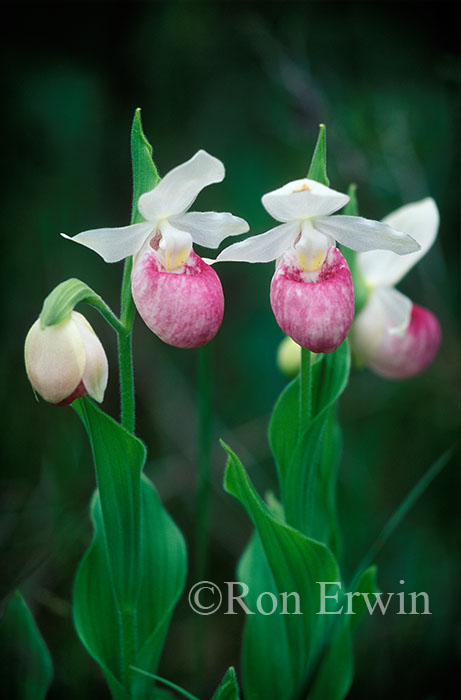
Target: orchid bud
(65,361)
(289,357)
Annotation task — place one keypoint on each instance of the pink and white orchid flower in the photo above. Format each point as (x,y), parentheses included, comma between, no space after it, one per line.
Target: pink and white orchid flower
(177,294)
(395,337)
(312,294)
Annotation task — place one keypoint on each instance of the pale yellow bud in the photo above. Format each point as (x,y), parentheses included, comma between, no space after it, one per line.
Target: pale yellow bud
(289,357)
(66,361)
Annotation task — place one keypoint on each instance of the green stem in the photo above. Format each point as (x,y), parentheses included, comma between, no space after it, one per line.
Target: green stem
(125,352)
(305,391)
(203,496)
(204,460)
(128,644)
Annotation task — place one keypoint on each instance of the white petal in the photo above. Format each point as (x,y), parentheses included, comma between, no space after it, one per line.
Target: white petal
(421,221)
(95,373)
(209,228)
(386,311)
(364,234)
(312,247)
(263,248)
(114,244)
(179,188)
(397,307)
(174,246)
(302,199)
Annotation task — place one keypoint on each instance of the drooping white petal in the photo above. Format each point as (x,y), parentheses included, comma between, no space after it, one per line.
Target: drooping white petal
(209,228)
(263,248)
(114,244)
(421,221)
(364,234)
(397,307)
(96,370)
(386,311)
(302,199)
(179,188)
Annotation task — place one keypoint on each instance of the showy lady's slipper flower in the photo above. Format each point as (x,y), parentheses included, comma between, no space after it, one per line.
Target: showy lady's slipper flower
(395,337)
(66,361)
(312,294)
(178,295)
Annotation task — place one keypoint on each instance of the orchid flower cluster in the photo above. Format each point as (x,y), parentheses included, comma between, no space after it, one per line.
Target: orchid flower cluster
(134,570)
(179,295)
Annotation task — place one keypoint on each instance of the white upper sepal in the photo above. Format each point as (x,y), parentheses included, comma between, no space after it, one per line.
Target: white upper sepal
(176,192)
(386,311)
(114,244)
(362,234)
(421,221)
(210,228)
(264,247)
(302,199)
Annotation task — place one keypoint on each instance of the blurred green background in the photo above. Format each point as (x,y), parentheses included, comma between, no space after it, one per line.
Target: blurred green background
(250,83)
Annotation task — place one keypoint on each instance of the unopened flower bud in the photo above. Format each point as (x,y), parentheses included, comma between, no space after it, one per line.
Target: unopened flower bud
(65,361)
(289,357)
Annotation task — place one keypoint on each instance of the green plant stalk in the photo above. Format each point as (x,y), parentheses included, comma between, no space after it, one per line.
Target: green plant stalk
(204,461)
(128,621)
(305,391)
(202,510)
(125,352)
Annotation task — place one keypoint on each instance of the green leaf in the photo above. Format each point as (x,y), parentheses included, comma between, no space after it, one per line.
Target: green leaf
(133,572)
(145,175)
(402,510)
(162,575)
(228,688)
(26,662)
(336,665)
(118,458)
(59,304)
(286,643)
(169,684)
(318,166)
(307,464)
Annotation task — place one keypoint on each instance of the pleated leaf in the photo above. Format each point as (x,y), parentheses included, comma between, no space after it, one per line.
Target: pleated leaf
(127,574)
(307,464)
(228,688)
(279,649)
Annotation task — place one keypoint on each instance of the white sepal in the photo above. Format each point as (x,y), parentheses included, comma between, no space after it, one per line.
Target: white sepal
(96,370)
(421,221)
(114,244)
(264,247)
(176,192)
(209,228)
(361,234)
(302,199)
